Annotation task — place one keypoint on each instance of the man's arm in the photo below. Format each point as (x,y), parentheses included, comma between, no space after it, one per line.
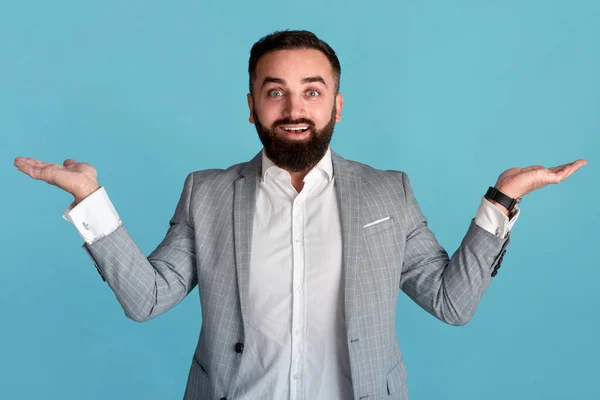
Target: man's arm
(149,286)
(451,288)
(145,286)
(448,288)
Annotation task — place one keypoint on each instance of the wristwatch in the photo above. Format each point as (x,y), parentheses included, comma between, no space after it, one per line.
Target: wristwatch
(501,198)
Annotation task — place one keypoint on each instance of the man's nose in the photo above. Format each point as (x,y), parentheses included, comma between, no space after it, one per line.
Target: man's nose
(294,107)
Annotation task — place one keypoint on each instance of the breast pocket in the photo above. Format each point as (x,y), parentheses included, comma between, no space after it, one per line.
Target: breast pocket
(382,255)
(377,226)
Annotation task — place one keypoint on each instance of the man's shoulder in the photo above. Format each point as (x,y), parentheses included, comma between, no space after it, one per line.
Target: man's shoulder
(370,173)
(231,173)
(376,183)
(215,178)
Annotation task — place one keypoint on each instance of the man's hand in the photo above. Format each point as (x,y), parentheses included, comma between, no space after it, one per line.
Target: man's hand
(77,178)
(517,182)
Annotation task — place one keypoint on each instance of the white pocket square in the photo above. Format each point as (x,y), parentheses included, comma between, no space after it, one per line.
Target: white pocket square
(376,222)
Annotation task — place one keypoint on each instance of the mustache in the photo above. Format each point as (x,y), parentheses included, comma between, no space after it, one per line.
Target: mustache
(290,121)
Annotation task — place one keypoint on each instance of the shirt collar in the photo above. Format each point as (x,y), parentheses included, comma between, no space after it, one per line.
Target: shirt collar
(324,165)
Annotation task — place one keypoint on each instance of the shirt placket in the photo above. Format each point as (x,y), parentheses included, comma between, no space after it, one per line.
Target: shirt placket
(298,311)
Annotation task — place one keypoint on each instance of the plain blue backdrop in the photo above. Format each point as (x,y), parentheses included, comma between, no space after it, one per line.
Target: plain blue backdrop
(451,92)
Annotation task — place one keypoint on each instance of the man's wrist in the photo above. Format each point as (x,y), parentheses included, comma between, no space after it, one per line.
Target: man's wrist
(507,192)
(81,195)
(501,207)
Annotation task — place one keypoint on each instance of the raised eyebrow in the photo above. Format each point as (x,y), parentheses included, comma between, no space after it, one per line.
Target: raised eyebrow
(272,79)
(309,79)
(312,79)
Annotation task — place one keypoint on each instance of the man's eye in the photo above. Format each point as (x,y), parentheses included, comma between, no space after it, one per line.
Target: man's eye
(275,93)
(312,93)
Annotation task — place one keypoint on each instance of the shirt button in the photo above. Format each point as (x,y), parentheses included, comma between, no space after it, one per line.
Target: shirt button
(297,331)
(296,377)
(299,287)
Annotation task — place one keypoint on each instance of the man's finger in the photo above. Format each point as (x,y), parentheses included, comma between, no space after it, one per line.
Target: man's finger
(574,168)
(577,163)
(29,170)
(558,169)
(580,163)
(569,169)
(33,171)
(41,164)
(36,173)
(23,161)
(532,168)
(32,162)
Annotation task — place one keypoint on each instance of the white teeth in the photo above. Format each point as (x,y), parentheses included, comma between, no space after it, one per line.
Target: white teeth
(296,129)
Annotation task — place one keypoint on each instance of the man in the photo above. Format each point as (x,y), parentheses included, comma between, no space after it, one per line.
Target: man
(298,254)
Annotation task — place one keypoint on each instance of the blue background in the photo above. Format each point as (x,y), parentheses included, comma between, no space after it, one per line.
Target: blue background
(453,93)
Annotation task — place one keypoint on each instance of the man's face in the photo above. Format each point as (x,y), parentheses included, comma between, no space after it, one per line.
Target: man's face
(294,106)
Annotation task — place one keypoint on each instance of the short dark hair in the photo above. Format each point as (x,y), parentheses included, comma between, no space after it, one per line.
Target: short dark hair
(292,40)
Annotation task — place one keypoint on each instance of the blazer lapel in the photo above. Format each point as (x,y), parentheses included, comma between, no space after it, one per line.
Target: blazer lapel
(347,184)
(244,206)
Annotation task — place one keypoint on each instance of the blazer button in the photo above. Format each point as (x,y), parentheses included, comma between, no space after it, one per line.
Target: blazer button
(223,398)
(239,347)
(494,273)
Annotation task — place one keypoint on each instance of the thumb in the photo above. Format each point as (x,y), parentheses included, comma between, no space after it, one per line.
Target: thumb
(68,162)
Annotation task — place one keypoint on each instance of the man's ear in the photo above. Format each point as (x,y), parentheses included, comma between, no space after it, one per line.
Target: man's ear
(339,103)
(250,107)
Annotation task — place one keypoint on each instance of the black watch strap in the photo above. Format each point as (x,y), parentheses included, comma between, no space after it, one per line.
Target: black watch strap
(499,197)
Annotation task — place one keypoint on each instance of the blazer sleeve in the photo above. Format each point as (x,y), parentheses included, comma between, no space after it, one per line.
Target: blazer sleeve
(148,286)
(448,288)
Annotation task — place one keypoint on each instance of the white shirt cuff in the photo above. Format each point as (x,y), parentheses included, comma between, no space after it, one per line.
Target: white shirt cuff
(493,220)
(94,217)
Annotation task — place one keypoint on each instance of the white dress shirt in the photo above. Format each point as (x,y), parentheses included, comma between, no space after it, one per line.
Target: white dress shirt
(295,339)
(295,346)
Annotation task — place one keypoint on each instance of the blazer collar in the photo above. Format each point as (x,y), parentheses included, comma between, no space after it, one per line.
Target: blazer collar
(253,167)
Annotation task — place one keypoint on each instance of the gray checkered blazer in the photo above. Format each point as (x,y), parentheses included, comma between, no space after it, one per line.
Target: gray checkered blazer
(208,244)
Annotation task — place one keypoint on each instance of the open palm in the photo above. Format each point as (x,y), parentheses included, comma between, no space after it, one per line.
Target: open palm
(77,178)
(517,182)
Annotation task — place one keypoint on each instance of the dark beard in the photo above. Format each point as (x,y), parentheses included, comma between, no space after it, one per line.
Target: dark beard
(295,155)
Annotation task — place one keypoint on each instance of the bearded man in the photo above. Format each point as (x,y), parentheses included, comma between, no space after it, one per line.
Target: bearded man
(298,254)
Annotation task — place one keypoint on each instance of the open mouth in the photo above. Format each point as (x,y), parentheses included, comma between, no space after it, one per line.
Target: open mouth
(294,129)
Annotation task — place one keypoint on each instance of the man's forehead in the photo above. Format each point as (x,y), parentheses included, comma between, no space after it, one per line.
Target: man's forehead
(294,65)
